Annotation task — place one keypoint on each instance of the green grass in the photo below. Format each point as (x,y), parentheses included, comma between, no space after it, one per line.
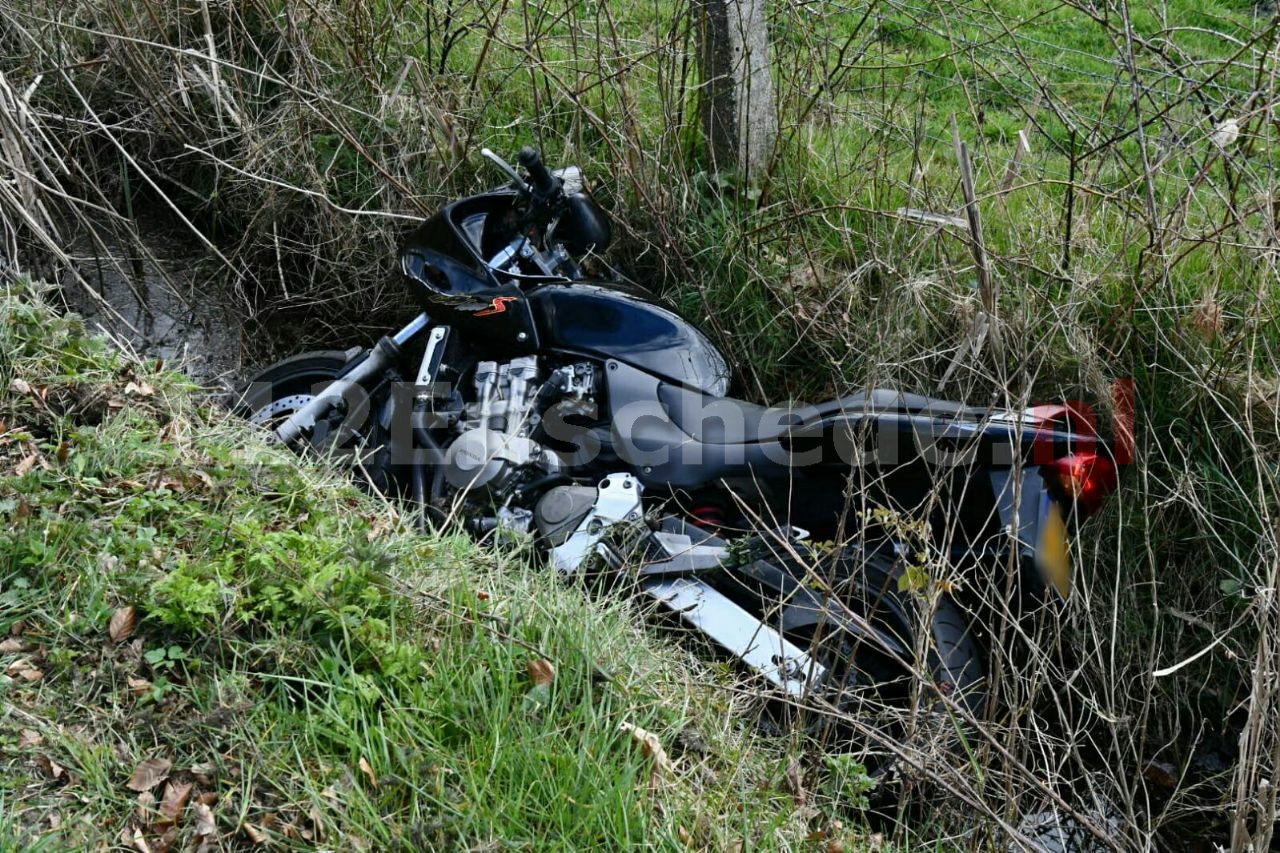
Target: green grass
(320,675)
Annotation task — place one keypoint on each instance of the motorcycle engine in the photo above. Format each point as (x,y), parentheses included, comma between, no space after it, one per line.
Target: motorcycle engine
(495,451)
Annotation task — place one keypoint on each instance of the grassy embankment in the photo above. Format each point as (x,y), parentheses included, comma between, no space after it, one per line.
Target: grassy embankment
(207,644)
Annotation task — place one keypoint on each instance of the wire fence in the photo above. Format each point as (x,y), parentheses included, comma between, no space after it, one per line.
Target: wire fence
(1015,65)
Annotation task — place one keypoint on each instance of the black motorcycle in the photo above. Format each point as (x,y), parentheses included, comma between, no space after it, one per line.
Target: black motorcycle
(540,393)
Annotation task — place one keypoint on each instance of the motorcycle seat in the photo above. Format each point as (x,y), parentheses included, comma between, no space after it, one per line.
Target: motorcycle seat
(726,421)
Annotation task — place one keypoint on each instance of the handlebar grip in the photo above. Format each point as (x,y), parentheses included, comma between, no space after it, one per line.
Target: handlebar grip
(544,184)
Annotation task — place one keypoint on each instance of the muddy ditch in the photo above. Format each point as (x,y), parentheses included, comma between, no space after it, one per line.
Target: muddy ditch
(155,292)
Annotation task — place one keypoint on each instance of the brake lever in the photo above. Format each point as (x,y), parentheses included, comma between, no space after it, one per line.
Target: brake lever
(509,169)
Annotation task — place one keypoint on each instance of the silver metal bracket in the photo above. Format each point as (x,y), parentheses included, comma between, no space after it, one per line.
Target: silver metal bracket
(424,384)
(764,649)
(617,500)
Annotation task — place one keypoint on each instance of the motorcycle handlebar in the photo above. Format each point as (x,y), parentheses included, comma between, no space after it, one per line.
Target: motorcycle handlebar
(543,182)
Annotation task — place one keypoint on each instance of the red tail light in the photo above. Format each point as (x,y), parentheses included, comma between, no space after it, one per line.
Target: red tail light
(1085,478)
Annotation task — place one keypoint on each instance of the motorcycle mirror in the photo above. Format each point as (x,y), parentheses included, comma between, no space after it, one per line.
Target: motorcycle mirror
(508,168)
(570,179)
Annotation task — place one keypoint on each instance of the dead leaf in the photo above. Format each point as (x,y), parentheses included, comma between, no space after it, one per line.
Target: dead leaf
(20,386)
(205,824)
(165,841)
(123,623)
(139,389)
(368,771)
(1206,317)
(378,527)
(149,773)
(651,745)
(204,774)
(317,825)
(174,801)
(1161,773)
(25,670)
(256,835)
(25,466)
(11,645)
(208,798)
(541,672)
(140,843)
(794,782)
(50,768)
(28,738)
(140,686)
(685,838)
(146,800)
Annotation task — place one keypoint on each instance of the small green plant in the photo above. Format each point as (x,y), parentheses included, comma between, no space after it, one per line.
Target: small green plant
(187,601)
(165,658)
(848,781)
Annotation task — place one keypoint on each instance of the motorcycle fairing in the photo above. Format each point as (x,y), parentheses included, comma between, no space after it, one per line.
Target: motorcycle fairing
(644,436)
(454,295)
(469,230)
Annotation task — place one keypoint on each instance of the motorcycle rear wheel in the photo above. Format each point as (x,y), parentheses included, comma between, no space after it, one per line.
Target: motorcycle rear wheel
(872,689)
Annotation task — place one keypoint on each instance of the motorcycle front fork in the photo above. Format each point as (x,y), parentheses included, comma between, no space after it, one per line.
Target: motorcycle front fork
(364,374)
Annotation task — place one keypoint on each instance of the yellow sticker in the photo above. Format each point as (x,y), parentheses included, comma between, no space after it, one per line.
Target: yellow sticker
(1053,552)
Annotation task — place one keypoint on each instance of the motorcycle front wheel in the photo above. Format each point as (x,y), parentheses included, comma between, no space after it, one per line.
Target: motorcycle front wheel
(286,386)
(280,390)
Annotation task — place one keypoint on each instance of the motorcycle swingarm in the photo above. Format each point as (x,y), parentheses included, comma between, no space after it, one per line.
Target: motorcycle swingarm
(801,607)
(759,646)
(671,580)
(669,576)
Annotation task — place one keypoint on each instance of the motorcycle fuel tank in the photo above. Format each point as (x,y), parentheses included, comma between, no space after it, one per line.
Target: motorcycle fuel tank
(625,323)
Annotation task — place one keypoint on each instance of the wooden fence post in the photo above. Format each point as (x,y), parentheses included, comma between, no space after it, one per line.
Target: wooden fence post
(739,116)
